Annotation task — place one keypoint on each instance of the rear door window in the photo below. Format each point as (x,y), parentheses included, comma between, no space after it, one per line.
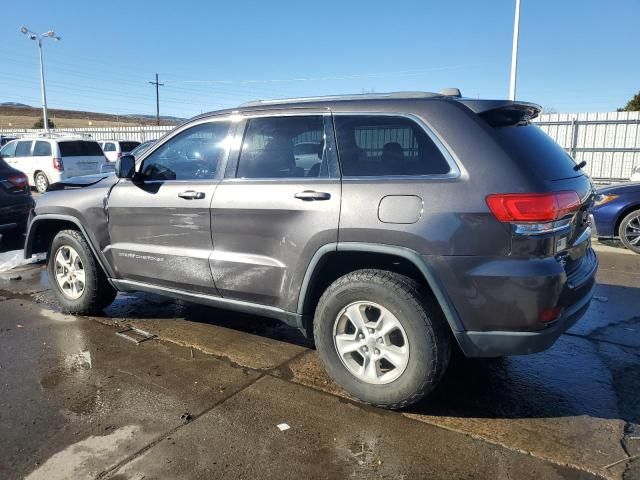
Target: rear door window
(23,149)
(378,145)
(284,147)
(109,147)
(42,149)
(80,148)
(530,145)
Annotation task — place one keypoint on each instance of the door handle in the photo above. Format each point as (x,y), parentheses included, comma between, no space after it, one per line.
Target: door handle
(310,195)
(191,195)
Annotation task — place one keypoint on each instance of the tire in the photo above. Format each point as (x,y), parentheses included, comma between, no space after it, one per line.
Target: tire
(629,231)
(96,292)
(421,326)
(41,181)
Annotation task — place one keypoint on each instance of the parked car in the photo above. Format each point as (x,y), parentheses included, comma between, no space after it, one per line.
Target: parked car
(114,149)
(635,176)
(15,199)
(136,152)
(616,214)
(398,243)
(4,140)
(47,160)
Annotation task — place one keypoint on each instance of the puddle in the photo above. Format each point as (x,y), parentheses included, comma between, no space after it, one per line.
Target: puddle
(86,458)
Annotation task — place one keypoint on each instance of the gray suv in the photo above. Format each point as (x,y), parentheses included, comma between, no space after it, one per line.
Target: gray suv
(392,228)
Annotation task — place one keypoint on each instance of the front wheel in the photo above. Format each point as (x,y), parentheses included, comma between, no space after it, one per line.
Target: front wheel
(630,231)
(78,282)
(379,339)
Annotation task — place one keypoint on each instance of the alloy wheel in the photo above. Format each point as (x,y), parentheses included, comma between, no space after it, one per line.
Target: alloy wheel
(371,342)
(70,273)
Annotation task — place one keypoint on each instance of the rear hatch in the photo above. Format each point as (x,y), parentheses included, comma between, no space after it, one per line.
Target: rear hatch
(527,144)
(81,157)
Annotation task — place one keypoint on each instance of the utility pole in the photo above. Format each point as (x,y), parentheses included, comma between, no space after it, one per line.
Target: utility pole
(514,53)
(158,85)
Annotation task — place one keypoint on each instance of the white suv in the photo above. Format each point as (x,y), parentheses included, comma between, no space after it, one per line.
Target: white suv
(114,149)
(49,160)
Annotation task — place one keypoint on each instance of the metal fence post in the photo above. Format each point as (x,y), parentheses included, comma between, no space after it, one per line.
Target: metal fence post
(574,137)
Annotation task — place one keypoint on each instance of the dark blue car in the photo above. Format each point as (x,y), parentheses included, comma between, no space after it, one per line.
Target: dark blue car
(617,214)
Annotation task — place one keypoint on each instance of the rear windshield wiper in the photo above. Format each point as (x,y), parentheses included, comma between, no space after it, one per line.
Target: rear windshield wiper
(580,166)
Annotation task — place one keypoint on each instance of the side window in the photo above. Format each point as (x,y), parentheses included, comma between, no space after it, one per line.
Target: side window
(386,145)
(42,149)
(9,150)
(283,147)
(193,154)
(23,149)
(109,147)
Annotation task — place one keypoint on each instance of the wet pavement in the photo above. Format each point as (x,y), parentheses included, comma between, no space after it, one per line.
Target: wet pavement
(204,397)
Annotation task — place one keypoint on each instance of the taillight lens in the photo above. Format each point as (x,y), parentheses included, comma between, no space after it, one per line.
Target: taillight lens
(533,207)
(18,180)
(57,164)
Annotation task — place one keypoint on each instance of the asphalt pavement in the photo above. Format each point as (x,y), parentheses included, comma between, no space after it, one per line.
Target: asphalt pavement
(220,395)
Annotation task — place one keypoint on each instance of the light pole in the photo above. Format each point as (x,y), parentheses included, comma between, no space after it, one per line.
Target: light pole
(514,53)
(39,38)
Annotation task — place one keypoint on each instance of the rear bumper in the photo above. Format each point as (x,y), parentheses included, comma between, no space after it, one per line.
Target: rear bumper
(15,215)
(499,301)
(500,343)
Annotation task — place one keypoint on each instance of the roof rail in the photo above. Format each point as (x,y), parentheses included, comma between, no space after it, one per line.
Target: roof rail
(332,98)
(63,135)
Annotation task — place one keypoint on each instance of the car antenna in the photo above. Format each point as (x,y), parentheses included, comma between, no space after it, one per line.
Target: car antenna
(580,166)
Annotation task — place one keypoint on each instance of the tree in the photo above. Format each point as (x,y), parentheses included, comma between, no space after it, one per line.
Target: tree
(40,123)
(632,105)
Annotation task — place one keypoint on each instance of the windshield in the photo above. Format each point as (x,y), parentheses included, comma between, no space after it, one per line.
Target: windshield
(128,146)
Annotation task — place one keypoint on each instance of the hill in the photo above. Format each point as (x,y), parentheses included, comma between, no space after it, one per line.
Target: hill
(18,115)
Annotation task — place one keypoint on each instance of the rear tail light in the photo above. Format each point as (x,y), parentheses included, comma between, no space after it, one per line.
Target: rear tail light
(57,164)
(119,154)
(19,181)
(535,213)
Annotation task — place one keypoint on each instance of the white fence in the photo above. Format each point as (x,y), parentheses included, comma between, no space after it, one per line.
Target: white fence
(609,142)
(103,133)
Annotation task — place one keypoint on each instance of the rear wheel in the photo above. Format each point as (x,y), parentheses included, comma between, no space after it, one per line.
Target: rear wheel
(629,231)
(380,339)
(41,181)
(78,282)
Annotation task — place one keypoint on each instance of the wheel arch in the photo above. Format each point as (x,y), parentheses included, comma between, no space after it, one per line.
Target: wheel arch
(322,270)
(43,228)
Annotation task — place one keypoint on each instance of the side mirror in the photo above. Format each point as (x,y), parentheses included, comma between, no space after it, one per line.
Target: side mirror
(126,166)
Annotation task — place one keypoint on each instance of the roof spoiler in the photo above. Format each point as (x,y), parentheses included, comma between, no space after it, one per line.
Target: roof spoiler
(501,113)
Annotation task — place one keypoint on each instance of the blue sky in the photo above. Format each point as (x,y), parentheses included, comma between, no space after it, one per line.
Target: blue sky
(575,55)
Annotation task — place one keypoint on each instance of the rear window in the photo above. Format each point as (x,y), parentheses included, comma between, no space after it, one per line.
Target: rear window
(371,145)
(80,148)
(128,146)
(529,144)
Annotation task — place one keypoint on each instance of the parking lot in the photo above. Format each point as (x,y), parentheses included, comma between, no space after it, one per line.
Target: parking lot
(205,397)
